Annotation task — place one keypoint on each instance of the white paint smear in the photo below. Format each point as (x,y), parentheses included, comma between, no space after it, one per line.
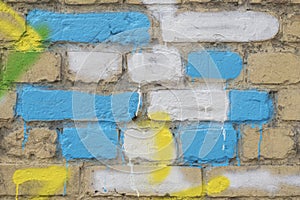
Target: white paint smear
(262,180)
(192,105)
(233,26)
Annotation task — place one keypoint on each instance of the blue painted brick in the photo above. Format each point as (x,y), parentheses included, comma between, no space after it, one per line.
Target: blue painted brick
(122,27)
(42,104)
(250,106)
(214,64)
(97,141)
(208,143)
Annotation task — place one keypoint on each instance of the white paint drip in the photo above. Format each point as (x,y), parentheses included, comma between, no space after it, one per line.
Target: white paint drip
(132,181)
(224,137)
(261,179)
(139,102)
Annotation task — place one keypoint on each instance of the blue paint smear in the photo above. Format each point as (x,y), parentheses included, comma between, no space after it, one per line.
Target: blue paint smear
(121,27)
(41,104)
(237,146)
(259,141)
(250,106)
(25,136)
(214,64)
(204,143)
(97,141)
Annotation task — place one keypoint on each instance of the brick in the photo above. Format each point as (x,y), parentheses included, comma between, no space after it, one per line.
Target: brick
(276,143)
(42,104)
(84,2)
(291,29)
(208,143)
(190,104)
(138,180)
(94,66)
(269,1)
(117,27)
(7,105)
(209,27)
(94,141)
(152,141)
(273,68)
(258,180)
(80,2)
(41,143)
(153,1)
(288,104)
(214,65)
(161,65)
(26,1)
(205,1)
(40,71)
(29,188)
(250,105)
(15,28)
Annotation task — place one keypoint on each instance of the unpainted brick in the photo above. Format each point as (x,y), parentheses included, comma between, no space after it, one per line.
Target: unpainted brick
(41,143)
(47,68)
(276,143)
(7,105)
(291,29)
(288,104)
(273,68)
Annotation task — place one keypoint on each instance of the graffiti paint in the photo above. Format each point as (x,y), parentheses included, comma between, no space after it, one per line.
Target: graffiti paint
(124,27)
(214,65)
(53,179)
(208,143)
(28,45)
(44,104)
(250,106)
(97,140)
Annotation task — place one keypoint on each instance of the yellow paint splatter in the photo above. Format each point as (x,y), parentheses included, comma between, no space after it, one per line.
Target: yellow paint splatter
(217,185)
(161,116)
(163,143)
(191,192)
(12,27)
(53,178)
(159,175)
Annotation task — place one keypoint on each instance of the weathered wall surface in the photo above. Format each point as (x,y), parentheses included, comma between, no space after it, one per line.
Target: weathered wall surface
(150,99)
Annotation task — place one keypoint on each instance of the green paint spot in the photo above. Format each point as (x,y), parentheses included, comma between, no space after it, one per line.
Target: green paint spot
(17,64)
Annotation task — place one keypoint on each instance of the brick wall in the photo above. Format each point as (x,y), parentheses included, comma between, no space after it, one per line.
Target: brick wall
(150,99)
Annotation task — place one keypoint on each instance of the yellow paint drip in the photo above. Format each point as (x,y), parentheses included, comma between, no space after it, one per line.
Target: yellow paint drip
(217,185)
(53,178)
(12,26)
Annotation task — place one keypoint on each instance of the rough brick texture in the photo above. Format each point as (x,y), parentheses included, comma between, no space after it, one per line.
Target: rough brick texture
(149,99)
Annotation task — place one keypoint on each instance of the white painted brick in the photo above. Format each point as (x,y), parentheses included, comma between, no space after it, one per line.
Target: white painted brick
(233,26)
(137,180)
(94,66)
(162,64)
(190,104)
(140,143)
